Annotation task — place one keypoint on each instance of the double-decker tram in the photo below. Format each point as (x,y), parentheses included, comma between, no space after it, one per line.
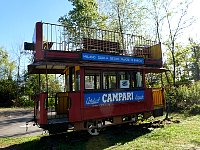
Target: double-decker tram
(104,78)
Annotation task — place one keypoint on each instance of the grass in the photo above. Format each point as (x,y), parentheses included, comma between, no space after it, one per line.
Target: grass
(183,135)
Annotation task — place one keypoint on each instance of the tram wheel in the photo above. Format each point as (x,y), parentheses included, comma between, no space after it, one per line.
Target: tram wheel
(93,131)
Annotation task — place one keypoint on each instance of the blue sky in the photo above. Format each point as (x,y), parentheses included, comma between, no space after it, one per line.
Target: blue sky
(18,18)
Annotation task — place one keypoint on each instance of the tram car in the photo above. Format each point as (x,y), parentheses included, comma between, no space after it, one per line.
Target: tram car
(105,78)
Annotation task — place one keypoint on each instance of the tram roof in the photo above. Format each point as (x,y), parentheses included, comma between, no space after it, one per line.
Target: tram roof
(58,68)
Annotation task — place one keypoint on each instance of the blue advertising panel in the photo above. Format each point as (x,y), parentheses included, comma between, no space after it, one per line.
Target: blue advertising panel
(95,99)
(112,58)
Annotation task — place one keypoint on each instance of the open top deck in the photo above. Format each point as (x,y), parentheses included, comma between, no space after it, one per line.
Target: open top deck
(59,44)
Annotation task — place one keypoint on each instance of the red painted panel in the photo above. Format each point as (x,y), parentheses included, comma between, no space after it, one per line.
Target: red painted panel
(42,110)
(78,113)
(38,45)
(61,54)
(120,108)
(75,110)
(149,99)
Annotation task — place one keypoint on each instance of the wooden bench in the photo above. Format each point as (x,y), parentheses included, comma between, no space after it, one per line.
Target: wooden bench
(47,45)
(101,45)
(142,51)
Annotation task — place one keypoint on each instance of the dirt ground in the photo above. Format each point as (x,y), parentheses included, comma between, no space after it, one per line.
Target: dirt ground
(13,123)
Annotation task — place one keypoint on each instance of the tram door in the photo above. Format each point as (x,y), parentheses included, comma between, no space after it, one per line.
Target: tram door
(72,84)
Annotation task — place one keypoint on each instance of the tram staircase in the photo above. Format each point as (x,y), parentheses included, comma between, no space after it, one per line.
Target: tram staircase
(58,111)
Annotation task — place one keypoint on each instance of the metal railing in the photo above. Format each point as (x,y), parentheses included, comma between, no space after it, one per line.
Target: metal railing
(57,107)
(62,38)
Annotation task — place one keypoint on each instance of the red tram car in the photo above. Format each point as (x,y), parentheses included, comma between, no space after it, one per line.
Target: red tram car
(104,77)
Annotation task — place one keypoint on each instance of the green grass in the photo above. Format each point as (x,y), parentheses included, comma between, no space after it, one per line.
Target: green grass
(183,135)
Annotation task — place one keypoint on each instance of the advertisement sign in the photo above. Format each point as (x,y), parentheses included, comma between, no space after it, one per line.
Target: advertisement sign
(95,99)
(112,58)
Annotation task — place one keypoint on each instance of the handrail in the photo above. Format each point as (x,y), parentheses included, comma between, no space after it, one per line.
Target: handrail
(71,38)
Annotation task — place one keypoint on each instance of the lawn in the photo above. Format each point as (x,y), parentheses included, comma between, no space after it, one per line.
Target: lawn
(183,135)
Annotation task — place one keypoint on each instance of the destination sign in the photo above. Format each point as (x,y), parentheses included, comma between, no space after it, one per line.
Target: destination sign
(112,58)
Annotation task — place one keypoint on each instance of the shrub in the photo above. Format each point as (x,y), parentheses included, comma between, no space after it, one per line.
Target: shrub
(184,96)
(23,101)
(195,109)
(8,92)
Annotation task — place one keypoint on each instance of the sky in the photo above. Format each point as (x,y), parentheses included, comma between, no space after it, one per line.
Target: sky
(18,18)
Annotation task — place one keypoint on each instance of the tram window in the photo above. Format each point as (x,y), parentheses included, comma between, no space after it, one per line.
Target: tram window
(67,85)
(124,80)
(77,81)
(92,79)
(109,80)
(137,79)
(73,80)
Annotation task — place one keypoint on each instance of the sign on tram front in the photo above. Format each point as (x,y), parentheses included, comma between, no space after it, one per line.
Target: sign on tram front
(92,99)
(112,58)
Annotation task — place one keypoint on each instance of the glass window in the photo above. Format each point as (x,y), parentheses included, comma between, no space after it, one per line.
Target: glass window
(124,80)
(67,86)
(78,80)
(109,80)
(92,79)
(73,78)
(137,79)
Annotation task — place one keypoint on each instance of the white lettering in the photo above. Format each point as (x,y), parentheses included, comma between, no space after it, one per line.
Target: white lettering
(115,97)
(124,97)
(104,98)
(93,101)
(109,98)
(120,96)
(129,94)
(139,97)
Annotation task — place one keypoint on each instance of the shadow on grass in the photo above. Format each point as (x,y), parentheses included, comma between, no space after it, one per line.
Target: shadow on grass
(81,140)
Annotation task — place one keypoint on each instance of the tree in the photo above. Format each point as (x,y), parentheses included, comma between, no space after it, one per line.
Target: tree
(84,14)
(8,92)
(32,84)
(6,66)
(157,16)
(125,16)
(176,18)
(195,57)
(174,31)
(8,87)
(182,55)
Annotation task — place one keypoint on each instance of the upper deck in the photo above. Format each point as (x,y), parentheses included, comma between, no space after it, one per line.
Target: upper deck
(60,44)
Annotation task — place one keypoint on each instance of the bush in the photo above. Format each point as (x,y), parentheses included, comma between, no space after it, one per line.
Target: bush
(23,101)
(8,92)
(195,109)
(183,97)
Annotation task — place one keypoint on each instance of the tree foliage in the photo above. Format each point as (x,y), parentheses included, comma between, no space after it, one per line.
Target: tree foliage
(125,16)
(6,65)
(184,98)
(175,15)
(194,60)
(84,14)
(8,87)
(8,92)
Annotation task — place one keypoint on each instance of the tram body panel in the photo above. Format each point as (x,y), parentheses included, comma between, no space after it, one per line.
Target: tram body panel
(78,113)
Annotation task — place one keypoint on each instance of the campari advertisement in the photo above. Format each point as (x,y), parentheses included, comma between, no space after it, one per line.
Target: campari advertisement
(92,99)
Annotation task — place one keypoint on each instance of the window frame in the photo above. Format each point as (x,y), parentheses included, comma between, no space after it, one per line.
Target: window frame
(129,75)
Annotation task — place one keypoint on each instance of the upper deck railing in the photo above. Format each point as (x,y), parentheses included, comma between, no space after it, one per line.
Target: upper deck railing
(62,38)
